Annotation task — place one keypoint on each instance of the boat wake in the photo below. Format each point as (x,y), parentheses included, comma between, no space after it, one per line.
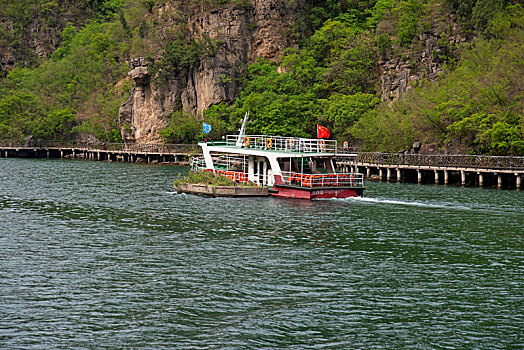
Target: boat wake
(506,211)
(406,203)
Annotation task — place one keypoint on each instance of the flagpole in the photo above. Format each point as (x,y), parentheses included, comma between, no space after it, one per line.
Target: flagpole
(317,132)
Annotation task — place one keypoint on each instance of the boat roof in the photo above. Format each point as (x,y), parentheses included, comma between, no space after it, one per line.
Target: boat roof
(276,146)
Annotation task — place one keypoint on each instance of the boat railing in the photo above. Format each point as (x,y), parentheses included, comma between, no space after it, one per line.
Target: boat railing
(323,180)
(237,175)
(287,144)
(197,163)
(221,162)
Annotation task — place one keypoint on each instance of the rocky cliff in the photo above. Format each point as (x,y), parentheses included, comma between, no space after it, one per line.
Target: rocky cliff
(425,59)
(30,31)
(242,34)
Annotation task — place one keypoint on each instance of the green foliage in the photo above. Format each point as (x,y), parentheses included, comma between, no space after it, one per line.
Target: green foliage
(342,111)
(410,13)
(17,112)
(74,87)
(491,132)
(384,45)
(180,54)
(149,4)
(54,125)
(22,114)
(181,128)
(478,105)
(204,177)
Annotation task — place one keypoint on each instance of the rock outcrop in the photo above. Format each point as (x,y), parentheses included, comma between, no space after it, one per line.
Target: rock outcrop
(425,60)
(243,34)
(28,40)
(400,74)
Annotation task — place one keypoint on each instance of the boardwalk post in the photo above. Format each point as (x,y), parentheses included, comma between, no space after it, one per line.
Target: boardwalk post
(381,173)
(399,177)
(388,174)
(419,176)
(368,171)
(462,178)
(481,179)
(436,177)
(519,181)
(446,177)
(499,180)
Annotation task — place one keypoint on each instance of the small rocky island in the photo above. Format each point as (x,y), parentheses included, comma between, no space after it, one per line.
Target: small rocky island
(206,183)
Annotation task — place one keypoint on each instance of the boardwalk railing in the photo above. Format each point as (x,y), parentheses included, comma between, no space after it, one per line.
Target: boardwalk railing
(443,160)
(118,147)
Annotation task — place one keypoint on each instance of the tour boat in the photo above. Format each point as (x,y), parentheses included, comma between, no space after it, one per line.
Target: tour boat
(290,167)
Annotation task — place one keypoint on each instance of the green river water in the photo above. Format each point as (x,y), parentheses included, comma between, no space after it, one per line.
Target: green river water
(97,255)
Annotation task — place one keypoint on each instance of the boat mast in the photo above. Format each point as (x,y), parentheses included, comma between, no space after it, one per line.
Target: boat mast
(242,132)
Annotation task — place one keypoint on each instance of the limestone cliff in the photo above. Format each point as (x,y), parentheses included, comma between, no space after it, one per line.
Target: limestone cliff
(244,33)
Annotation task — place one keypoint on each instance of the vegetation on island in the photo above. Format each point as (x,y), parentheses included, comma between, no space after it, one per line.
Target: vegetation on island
(207,178)
(331,78)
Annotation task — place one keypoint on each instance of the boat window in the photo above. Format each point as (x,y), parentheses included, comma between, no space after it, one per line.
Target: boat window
(289,164)
(321,166)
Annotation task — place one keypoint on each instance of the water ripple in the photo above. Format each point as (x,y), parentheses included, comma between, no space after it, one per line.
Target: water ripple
(106,255)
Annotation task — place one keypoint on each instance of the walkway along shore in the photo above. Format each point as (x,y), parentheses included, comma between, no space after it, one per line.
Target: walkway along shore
(444,169)
(465,170)
(177,154)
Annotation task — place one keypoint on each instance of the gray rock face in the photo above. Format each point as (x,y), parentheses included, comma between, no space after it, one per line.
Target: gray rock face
(243,34)
(39,38)
(400,74)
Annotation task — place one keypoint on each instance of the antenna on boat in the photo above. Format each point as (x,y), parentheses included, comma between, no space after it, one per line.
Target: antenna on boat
(242,132)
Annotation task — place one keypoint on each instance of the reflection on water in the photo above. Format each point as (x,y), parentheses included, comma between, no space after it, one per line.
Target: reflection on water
(106,255)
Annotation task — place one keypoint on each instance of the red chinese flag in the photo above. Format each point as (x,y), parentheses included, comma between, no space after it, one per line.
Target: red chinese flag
(322,132)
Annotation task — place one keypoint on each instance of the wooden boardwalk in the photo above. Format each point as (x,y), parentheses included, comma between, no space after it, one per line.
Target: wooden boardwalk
(136,153)
(465,170)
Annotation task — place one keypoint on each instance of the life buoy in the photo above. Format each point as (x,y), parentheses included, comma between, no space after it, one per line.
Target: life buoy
(292,142)
(322,144)
(269,143)
(246,141)
(346,144)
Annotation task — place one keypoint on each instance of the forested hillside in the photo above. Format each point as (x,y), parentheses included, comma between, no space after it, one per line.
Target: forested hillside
(379,74)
